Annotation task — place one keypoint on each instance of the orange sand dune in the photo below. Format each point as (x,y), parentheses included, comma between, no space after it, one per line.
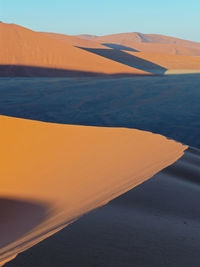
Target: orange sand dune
(162,39)
(22,47)
(174,63)
(75,41)
(149,43)
(163,55)
(52,174)
(127,45)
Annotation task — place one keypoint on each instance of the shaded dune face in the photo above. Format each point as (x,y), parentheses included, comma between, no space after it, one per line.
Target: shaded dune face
(128,102)
(18,217)
(33,71)
(52,174)
(188,170)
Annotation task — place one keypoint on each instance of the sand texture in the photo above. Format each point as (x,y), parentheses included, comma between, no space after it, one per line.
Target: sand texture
(52,174)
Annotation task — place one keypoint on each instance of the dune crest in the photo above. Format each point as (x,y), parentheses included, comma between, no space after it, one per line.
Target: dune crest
(154,43)
(142,38)
(27,48)
(26,53)
(75,41)
(57,173)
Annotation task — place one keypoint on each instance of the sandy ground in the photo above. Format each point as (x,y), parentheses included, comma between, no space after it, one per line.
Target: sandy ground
(26,53)
(52,174)
(155,224)
(175,64)
(147,43)
(141,38)
(35,53)
(75,41)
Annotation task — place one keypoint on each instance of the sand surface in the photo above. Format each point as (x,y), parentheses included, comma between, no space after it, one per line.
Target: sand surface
(36,54)
(155,224)
(147,43)
(30,53)
(173,63)
(75,41)
(52,174)
(142,38)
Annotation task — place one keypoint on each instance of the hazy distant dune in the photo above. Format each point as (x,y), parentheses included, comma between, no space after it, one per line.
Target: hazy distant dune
(75,41)
(149,43)
(142,38)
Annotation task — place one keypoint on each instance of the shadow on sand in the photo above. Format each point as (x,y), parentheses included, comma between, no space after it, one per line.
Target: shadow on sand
(127,59)
(32,71)
(18,218)
(157,222)
(120,47)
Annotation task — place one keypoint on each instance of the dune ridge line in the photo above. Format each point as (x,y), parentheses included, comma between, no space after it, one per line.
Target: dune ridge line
(61,172)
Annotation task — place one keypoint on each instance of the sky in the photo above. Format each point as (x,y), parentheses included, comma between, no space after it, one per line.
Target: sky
(173,17)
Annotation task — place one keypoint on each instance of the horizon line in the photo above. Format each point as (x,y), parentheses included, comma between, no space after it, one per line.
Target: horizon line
(99,35)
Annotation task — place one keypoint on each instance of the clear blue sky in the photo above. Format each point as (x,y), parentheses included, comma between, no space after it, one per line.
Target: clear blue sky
(173,17)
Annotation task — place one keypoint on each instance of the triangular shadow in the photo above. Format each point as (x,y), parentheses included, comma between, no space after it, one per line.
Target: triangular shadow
(127,59)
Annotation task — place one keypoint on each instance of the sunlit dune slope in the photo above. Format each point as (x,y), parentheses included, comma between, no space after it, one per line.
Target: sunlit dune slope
(75,41)
(161,48)
(52,174)
(149,43)
(22,47)
(173,58)
(174,63)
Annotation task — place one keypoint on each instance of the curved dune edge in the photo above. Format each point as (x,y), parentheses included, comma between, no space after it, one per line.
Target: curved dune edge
(66,171)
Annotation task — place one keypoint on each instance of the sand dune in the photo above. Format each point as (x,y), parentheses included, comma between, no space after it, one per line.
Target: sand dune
(135,37)
(121,42)
(155,224)
(75,41)
(173,63)
(170,49)
(163,54)
(27,53)
(23,48)
(147,43)
(52,174)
